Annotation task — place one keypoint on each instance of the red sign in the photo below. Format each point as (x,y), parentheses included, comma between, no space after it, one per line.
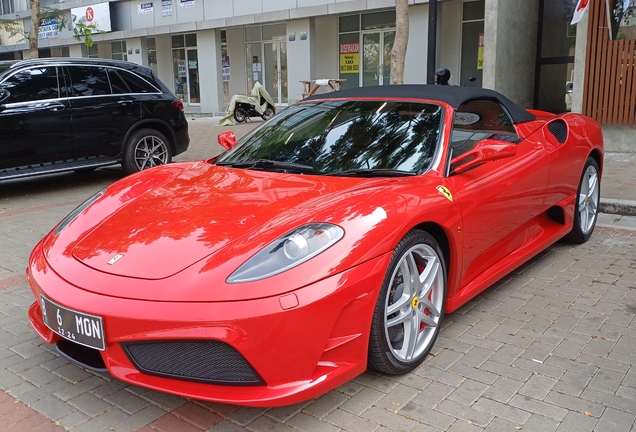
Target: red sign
(349,47)
(90,14)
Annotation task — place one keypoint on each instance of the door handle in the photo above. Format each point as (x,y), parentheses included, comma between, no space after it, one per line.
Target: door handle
(124,102)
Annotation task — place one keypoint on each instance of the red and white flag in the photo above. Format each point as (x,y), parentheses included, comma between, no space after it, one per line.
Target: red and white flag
(580,9)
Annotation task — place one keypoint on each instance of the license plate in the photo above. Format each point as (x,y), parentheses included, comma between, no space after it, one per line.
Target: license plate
(79,327)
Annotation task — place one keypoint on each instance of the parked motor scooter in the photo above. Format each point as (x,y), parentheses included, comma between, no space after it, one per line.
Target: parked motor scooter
(244,110)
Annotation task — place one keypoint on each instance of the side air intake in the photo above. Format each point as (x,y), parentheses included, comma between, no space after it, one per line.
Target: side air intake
(559,129)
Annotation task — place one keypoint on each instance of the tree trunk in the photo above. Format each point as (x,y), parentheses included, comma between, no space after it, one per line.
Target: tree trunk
(35,28)
(398,53)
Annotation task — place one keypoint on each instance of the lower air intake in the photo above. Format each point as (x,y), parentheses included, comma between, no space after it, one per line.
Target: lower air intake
(211,362)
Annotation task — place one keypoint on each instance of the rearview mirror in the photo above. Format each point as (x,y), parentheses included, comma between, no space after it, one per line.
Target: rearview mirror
(484,151)
(227,139)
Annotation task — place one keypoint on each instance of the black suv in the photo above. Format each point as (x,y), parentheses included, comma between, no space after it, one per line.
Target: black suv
(61,114)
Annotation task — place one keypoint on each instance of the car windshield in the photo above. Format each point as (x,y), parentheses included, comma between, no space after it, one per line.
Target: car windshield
(343,137)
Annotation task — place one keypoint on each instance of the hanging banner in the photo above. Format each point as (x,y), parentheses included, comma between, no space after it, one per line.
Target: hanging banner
(97,14)
(349,57)
(225,68)
(49,29)
(145,8)
(166,8)
(480,52)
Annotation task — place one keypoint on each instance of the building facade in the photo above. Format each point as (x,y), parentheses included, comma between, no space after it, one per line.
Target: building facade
(209,50)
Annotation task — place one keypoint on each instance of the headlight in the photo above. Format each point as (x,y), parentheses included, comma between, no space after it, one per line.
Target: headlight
(72,215)
(290,250)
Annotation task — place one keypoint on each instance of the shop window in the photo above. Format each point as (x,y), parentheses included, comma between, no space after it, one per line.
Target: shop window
(93,52)
(378,20)
(253,34)
(185,65)
(349,23)
(7,7)
(65,52)
(178,41)
(151,50)
(118,50)
(276,31)
(191,40)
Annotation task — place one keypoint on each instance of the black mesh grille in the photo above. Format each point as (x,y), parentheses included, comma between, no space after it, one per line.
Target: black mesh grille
(559,129)
(205,361)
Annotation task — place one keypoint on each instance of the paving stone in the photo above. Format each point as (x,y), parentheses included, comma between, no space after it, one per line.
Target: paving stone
(468,392)
(577,422)
(197,416)
(246,415)
(572,383)
(508,371)
(537,407)
(603,363)
(375,381)
(73,419)
(506,354)
(265,423)
(172,423)
(606,380)
(433,395)
(72,373)
(396,398)
(326,404)
(390,419)
(349,422)
(428,416)
(27,349)
(446,377)
(515,415)
(624,351)
(609,400)
(352,388)
(539,368)
(90,404)
(615,420)
(476,374)
(538,386)
(165,401)
(52,408)
(102,421)
(362,401)
(573,403)
(71,390)
(538,423)
(284,413)
(224,426)
(503,389)
(126,401)
(477,417)
(307,423)
(462,426)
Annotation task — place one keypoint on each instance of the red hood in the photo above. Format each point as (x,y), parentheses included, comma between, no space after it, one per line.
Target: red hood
(193,215)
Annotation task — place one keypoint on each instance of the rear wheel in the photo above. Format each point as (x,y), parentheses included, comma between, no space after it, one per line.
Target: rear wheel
(146,148)
(587,201)
(410,307)
(240,115)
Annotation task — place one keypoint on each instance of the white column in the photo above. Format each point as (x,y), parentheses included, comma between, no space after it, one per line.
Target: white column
(580,53)
(137,55)
(210,79)
(164,60)
(299,59)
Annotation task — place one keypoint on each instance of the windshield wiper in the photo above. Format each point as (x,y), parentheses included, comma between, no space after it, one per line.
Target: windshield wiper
(266,164)
(367,172)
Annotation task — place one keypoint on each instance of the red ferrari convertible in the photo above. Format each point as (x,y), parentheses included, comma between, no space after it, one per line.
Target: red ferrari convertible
(330,239)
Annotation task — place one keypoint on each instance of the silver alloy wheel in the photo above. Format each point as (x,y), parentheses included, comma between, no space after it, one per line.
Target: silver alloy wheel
(414,304)
(151,151)
(588,199)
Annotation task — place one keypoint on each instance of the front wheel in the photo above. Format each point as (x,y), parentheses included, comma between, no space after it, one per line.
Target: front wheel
(146,148)
(587,200)
(410,307)
(268,113)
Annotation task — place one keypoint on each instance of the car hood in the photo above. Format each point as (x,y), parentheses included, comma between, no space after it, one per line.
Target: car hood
(181,221)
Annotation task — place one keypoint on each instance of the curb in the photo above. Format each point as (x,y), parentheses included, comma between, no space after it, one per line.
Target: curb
(618,206)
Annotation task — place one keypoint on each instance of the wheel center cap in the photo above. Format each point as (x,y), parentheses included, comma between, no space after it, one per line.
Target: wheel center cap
(586,200)
(415,302)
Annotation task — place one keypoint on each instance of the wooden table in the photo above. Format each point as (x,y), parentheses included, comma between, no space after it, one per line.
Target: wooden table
(310,87)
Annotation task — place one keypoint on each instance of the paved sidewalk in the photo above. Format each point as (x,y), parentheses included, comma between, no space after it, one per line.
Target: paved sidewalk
(548,348)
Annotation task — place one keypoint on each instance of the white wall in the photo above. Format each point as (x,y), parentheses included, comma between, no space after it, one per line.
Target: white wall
(580,54)
(209,54)
(164,60)
(135,45)
(236,50)
(449,39)
(326,48)
(299,59)
(416,53)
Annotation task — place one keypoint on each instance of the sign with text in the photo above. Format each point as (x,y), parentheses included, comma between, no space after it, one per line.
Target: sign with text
(349,57)
(97,14)
(49,29)
(480,52)
(225,68)
(166,8)
(186,4)
(145,8)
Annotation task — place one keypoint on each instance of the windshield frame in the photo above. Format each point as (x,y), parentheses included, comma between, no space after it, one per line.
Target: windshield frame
(225,158)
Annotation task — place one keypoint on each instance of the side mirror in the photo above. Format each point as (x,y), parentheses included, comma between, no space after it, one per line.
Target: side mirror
(227,139)
(484,151)
(4,95)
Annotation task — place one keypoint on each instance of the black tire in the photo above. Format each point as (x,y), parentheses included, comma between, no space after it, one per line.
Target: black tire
(588,196)
(268,113)
(419,251)
(240,115)
(145,149)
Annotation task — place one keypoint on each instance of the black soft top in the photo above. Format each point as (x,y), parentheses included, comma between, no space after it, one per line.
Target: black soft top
(452,95)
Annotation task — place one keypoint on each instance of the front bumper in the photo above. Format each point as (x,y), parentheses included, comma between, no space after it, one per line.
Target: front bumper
(302,344)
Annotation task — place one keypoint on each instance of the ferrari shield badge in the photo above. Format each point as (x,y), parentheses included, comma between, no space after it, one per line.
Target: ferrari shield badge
(114,259)
(444,191)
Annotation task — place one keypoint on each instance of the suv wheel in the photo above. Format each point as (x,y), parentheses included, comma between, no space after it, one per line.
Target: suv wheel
(145,149)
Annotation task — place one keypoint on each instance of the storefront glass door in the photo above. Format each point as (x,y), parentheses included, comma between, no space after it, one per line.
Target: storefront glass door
(376,57)
(186,68)
(275,73)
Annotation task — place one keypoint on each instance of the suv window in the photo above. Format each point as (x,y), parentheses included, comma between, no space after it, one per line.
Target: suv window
(135,83)
(479,119)
(118,84)
(88,81)
(33,84)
